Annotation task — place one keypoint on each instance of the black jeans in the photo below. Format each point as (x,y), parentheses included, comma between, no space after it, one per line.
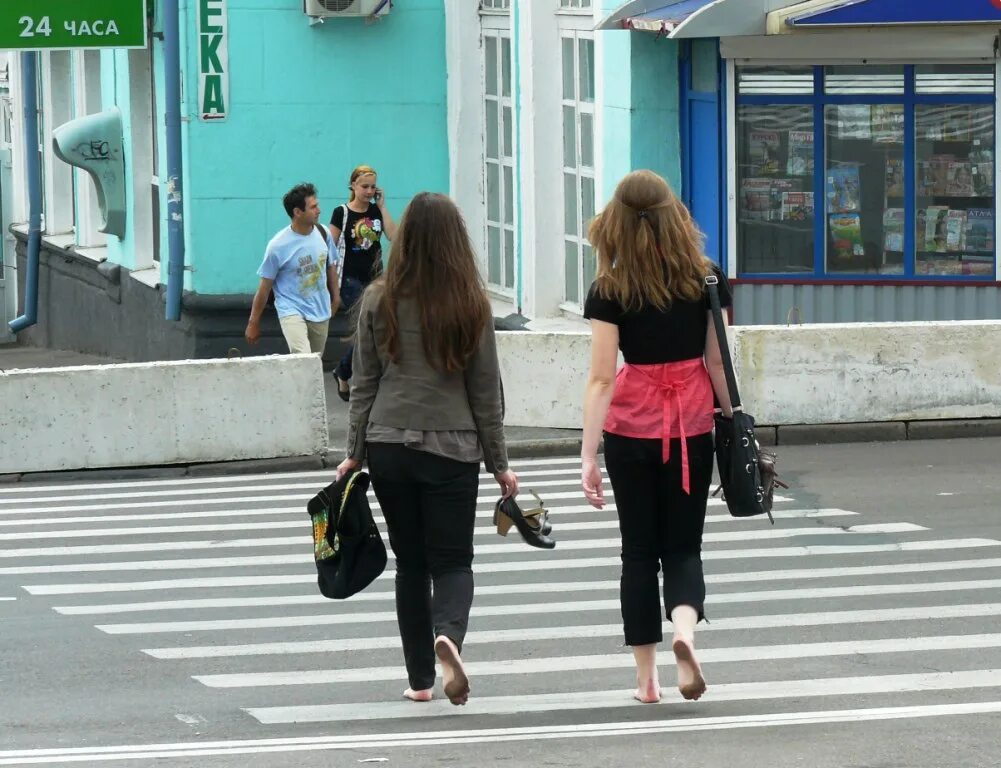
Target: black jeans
(429,503)
(351,291)
(661,527)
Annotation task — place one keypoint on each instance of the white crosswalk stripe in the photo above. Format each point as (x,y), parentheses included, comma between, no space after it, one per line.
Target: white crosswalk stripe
(215,574)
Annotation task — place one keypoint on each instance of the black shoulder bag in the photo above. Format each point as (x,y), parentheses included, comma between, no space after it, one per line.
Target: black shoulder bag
(746,473)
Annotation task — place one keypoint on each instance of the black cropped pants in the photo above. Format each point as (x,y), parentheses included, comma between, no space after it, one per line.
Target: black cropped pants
(661,528)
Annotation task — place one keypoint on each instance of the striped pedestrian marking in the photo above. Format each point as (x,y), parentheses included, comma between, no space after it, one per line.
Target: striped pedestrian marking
(553,664)
(217,582)
(482,549)
(297,517)
(551,563)
(302,524)
(425,738)
(253,514)
(540,588)
(586,631)
(582,700)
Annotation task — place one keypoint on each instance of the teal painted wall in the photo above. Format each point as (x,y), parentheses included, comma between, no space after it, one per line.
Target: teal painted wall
(309,103)
(640,112)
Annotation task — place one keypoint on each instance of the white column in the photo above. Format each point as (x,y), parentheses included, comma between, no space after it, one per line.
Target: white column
(18,145)
(463,61)
(540,134)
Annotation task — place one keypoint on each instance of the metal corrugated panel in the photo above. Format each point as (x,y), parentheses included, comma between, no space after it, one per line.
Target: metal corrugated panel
(771,304)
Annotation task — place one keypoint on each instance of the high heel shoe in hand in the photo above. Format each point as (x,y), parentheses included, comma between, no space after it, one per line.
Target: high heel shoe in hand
(533,525)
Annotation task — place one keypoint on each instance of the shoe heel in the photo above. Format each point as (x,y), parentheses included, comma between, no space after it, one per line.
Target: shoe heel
(503,522)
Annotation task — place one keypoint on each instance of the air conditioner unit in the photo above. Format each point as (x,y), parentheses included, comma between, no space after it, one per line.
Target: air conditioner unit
(327,9)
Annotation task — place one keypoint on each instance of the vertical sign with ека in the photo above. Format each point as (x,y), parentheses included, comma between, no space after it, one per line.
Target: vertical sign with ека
(213,59)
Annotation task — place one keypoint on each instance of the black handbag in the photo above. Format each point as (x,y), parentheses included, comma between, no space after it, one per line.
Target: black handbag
(746,472)
(347,548)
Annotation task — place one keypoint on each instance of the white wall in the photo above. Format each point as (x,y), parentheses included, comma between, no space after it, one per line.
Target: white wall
(162,413)
(807,374)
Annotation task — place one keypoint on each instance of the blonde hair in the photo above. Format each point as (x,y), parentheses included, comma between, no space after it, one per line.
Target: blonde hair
(357,173)
(648,247)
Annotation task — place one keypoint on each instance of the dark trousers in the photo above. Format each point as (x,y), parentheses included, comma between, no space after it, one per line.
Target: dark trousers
(429,503)
(661,527)
(351,291)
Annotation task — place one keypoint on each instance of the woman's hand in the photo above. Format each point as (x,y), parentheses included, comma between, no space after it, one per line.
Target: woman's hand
(380,198)
(508,482)
(346,466)
(590,480)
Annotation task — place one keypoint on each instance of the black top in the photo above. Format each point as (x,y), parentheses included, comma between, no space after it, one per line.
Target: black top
(651,335)
(362,247)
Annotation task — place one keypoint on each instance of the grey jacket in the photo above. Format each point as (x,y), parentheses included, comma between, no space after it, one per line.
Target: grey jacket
(411,394)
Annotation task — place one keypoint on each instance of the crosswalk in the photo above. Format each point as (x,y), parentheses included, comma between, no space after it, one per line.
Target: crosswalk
(830,613)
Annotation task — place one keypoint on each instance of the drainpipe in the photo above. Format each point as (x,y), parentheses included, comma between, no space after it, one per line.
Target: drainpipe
(33,163)
(175,201)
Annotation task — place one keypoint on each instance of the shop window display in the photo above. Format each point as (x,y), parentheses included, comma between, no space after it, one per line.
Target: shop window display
(900,160)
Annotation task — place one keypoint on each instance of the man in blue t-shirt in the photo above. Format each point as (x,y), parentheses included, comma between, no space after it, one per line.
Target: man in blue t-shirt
(301,266)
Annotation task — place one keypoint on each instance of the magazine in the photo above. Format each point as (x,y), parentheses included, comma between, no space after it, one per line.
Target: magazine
(888,123)
(935,229)
(781,187)
(959,179)
(979,230)
(843,189)
(764,151)
(846,235)
(955,227)
(800,160)
(933,180)
(893,230)
(894,177)
(797,206)
(854,121)
(983,178)
(756,198)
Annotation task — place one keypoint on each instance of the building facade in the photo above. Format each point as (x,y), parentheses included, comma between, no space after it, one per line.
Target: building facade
(838,176)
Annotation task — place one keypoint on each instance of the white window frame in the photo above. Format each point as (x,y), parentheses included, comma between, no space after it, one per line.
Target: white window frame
(583,6)
(577,26)
(495,24)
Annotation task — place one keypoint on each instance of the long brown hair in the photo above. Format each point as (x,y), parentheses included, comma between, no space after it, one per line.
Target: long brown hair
(357,173)
(649,249)
(433,263)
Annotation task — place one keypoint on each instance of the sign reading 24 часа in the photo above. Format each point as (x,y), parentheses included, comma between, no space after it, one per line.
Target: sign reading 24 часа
(31,25)
(213,59)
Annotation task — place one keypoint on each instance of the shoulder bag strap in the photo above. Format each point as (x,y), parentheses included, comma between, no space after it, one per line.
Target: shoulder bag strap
(724,348)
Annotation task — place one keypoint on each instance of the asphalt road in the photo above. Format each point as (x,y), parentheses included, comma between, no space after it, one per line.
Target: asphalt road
(177,622)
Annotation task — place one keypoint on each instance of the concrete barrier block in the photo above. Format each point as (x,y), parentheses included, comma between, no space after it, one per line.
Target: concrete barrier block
(544,376)
(175,412)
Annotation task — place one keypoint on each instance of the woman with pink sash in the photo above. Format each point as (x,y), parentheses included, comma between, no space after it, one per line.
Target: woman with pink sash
(655,414)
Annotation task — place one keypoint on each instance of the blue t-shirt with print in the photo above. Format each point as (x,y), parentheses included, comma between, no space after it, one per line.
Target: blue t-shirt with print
(298,265)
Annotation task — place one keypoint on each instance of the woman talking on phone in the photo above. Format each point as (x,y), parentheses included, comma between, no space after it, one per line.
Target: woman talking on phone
(357,228)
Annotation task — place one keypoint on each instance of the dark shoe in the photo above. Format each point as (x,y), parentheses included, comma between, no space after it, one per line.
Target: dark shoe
(533,525)
(343,388)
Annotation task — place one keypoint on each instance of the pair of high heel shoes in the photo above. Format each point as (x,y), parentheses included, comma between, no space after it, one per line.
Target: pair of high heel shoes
(533,525)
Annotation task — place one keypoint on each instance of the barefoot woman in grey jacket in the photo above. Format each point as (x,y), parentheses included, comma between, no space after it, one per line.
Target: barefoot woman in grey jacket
(426,408)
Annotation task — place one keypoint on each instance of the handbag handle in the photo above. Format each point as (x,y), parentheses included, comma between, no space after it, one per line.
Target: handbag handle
(724,348)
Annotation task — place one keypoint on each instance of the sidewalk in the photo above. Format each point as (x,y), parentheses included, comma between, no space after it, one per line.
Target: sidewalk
(522,441)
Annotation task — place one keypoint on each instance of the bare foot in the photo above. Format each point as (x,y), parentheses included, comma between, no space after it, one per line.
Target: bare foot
(452,672)
(647,692)
(424,695)
(691,683)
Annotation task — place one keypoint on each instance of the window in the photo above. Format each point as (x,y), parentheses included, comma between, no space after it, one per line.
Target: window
(578,162)
(57,176)
(866,171)
(495,5)
(575,5)
(498,152)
